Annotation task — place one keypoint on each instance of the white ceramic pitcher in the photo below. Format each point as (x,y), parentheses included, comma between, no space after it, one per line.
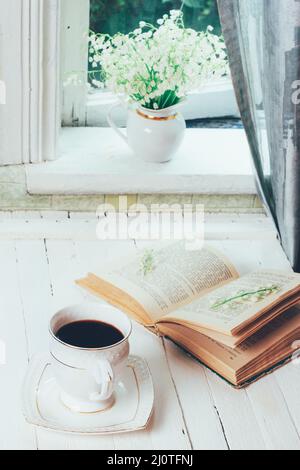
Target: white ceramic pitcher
(154,136)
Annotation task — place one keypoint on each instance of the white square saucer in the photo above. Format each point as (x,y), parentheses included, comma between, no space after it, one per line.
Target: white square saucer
(132,409)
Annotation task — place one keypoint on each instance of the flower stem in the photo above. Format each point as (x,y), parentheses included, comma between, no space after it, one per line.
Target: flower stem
(245,294)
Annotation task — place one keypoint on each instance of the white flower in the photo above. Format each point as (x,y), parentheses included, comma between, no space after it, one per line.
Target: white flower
(169,58)
(175,13)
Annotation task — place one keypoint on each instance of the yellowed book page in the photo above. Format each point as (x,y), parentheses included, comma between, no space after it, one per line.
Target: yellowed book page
(258,348)
(116,297)
(178,276)
(230,308)
(230,361)
(250,330)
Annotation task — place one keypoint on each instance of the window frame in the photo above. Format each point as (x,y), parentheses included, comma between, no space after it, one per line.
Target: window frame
(75,23)
(58,25)
(29,121)
(80,108)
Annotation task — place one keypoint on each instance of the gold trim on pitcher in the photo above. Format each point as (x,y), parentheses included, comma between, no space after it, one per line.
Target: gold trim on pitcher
(156,118)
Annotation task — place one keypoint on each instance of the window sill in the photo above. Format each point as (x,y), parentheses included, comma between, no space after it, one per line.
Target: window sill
(96,161)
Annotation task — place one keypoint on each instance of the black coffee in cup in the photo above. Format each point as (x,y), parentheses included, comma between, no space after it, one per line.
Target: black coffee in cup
(89,334)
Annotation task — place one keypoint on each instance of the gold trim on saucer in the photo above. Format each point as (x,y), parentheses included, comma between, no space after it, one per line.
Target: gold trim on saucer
(95,412)
(109,406)
(157,118)
(140,415)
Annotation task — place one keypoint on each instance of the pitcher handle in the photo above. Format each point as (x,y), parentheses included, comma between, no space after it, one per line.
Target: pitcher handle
(113,124)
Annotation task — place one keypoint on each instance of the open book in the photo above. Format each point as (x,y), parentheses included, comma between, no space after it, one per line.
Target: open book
(240,327)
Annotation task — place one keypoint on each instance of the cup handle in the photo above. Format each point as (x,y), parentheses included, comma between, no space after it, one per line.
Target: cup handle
(113,124)
(104,376)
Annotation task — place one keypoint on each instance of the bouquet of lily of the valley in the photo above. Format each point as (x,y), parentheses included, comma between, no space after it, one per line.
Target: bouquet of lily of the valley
(157,66)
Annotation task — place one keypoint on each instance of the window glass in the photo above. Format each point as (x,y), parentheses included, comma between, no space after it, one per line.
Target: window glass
(113,16)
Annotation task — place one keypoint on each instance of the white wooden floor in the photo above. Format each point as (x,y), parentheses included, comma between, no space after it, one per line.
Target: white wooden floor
(40,258)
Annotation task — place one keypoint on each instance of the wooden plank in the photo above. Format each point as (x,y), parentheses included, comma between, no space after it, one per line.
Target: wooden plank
(288,379)
(201,416)
(52,272)
(91,257)
(51,229)
(55,215)
(36,293)
(273,415)
(250,255)
(63,267)
(232,227)
(64,270)
(236,415)
(15,433)
(57,228)
(25,216)
(5,215)
(167,428)
(86,216)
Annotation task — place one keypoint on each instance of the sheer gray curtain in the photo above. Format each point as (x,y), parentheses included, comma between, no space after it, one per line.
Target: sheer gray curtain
(263,41)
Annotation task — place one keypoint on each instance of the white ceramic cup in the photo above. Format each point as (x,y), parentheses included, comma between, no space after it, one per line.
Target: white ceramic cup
(87,377)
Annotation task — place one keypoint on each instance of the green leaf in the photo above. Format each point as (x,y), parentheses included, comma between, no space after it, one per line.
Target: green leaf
(193,3)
